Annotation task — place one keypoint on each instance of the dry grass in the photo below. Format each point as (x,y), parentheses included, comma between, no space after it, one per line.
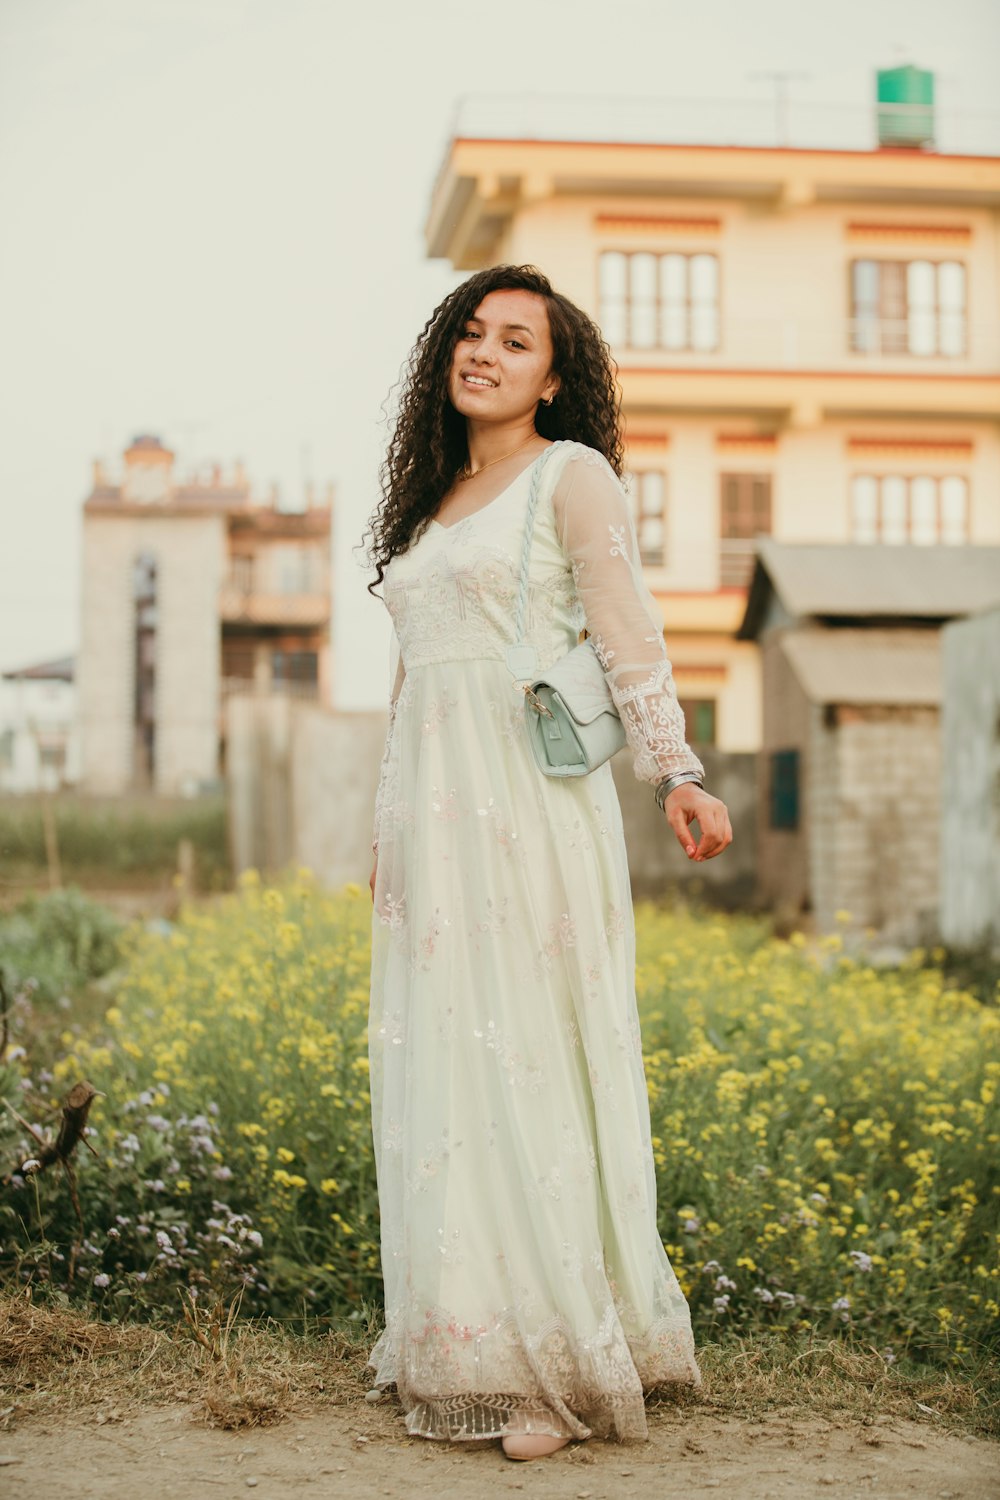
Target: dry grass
(753,1378)
(259,1373)
(248,1374)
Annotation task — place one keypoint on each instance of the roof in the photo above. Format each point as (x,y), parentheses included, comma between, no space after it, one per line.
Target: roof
(60,670)
(881,581)
(890,667)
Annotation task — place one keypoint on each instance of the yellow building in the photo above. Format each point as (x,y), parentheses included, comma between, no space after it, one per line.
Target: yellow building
(808,344)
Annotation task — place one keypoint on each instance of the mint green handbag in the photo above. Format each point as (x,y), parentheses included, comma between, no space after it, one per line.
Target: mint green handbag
(572,721)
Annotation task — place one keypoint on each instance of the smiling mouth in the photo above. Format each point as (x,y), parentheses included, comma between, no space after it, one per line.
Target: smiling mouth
(481,382)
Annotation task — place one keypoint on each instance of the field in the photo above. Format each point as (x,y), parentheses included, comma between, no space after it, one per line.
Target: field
(825,1138)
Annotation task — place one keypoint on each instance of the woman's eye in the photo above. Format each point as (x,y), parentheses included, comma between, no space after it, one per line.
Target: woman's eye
(516,342)
(470,333)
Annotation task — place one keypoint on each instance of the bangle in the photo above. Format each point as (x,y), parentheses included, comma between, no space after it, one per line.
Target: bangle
(667,785)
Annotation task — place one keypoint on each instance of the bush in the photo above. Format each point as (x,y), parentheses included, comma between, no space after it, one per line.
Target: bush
(824,1133)
(116,840)
(54,944)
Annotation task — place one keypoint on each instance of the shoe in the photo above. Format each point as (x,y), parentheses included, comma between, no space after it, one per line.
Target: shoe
(531,1444)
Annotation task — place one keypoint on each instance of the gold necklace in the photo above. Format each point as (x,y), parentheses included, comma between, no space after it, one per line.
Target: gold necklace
(466,473)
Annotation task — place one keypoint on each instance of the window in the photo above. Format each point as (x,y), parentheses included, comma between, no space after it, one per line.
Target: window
(238,659)
(144,655)
(648,488)
(292,568)
(921,508)
(295,666)
(745,513)
(659,301)
(699,720)
(784,789)
(908,307)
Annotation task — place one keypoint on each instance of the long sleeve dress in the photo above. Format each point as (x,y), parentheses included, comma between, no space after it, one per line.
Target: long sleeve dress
(526,1285)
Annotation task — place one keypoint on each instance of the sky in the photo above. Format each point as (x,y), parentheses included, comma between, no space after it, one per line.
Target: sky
(213,219)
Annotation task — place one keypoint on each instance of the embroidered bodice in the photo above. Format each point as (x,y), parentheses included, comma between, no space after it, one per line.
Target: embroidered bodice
(452,596)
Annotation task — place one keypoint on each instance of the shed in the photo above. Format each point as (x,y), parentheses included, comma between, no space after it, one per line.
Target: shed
(850,638)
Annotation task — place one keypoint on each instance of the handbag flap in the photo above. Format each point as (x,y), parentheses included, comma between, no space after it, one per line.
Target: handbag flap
(579,680)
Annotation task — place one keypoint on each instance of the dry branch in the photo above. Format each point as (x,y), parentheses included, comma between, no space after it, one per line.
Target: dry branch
(72,1127)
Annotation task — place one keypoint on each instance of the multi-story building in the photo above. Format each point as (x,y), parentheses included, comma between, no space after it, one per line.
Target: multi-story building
(191,591)
(808,342)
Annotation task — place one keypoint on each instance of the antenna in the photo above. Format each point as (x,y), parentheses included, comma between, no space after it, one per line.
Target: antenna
(780,78)
(305,462)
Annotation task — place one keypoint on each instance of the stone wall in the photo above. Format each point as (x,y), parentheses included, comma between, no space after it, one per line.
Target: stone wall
(302,779)
(878,857)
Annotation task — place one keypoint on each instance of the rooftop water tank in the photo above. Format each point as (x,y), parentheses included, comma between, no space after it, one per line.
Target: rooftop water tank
(905,106)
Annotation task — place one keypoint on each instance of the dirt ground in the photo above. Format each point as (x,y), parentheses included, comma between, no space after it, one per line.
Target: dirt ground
(355,1449)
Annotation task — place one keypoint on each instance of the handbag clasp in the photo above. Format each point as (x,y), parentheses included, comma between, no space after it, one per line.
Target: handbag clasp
(536,702)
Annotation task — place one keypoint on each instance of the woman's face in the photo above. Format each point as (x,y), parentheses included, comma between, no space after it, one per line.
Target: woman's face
(502,364)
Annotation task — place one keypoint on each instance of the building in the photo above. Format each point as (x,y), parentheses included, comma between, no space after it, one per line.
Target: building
(191,592)
(808,339)
(849,820)
(39,746)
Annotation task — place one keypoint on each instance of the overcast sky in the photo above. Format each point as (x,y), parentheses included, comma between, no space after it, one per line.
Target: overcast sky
(213,213)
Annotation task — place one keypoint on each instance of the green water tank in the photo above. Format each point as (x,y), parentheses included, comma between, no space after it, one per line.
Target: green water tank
(905,106)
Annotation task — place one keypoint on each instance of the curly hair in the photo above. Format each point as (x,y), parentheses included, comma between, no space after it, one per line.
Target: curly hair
(428,444)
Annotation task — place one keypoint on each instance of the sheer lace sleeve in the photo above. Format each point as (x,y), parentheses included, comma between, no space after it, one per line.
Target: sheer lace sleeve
(383,768)
(595,526)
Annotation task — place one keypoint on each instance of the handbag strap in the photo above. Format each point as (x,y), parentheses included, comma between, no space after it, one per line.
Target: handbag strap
(520,660)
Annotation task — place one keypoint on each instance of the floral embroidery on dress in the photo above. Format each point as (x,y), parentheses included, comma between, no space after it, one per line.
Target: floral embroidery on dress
(505,1051)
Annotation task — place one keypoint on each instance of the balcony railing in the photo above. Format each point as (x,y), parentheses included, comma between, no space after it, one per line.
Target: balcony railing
(910,344)
(717,122)
(736,558)
(244,687)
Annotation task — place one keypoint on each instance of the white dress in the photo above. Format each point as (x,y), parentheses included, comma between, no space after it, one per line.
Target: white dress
(526,1285)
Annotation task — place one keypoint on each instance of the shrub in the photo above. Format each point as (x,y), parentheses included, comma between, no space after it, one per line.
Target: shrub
(54,944)
(824,1133)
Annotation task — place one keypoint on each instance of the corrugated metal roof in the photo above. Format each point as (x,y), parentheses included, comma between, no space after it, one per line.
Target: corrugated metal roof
(63,669)
(891,667)
(880,581)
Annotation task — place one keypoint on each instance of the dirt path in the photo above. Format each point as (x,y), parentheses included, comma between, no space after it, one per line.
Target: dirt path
(356,1450)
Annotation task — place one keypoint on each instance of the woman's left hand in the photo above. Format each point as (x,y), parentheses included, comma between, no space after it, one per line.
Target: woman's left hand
(689,802)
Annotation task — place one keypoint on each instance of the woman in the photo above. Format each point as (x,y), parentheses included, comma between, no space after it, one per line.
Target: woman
(527,1292)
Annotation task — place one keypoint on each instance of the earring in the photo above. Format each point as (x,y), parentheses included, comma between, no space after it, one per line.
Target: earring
(547,401)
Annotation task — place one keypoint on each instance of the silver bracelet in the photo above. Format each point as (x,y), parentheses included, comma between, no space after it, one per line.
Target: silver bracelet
(667,785)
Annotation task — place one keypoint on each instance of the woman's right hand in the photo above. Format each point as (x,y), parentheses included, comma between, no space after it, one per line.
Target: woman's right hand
(371,882)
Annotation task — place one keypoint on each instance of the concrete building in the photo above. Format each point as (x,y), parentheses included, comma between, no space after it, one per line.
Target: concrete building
(39,744)
(970,804)
(808,341)
(852,767)
(191,591)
